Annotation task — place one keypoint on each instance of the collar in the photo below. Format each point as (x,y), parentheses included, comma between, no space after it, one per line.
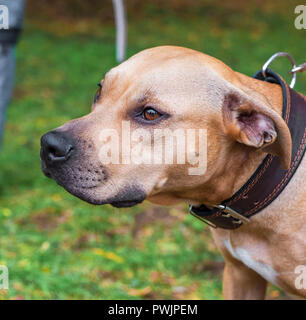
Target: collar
(270,179)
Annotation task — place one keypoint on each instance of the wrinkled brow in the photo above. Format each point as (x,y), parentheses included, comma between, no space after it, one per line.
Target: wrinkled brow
(146,96)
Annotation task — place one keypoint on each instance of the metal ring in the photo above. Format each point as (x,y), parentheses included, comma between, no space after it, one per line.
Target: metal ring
(276,55)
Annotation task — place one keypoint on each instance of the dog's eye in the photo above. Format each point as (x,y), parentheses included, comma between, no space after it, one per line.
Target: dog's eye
(150,114)
(98,93)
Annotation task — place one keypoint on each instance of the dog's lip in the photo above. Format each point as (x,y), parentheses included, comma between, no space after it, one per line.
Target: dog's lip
(47,174)
(125,204)
(44,169)
(78,191)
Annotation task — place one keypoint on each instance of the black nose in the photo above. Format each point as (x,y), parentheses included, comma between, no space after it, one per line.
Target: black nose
(56,147)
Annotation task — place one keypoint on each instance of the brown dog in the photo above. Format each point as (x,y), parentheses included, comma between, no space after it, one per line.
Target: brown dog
(173,87)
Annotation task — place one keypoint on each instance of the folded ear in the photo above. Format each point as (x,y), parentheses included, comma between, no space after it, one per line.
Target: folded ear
(255,124)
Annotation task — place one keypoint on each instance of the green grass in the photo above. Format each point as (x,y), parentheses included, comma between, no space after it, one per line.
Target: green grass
(57,247)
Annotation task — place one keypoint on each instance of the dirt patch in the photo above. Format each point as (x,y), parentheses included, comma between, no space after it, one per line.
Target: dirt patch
(47,220)
(154,215)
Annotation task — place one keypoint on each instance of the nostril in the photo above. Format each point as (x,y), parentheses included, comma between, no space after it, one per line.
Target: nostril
(56,147)
(68,152)
(53,151)
(59,154)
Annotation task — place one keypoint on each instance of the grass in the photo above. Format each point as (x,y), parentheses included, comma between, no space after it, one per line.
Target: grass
(57,247)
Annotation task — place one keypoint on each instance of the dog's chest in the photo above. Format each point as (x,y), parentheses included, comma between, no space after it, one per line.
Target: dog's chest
(248,257)
(276,258)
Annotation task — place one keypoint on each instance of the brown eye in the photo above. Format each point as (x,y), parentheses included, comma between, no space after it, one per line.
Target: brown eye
(151,114)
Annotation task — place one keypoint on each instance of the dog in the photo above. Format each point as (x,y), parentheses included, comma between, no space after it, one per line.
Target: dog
(174,87)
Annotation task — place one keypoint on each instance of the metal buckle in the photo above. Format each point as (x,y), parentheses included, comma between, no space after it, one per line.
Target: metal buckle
(281,54)
(232,213)
(201,218)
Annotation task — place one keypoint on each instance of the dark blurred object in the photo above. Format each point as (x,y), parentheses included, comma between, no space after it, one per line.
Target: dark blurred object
(121,29)
(8,40)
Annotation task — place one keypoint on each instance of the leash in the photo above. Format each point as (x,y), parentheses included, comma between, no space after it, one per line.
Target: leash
(121,29)
(252,197)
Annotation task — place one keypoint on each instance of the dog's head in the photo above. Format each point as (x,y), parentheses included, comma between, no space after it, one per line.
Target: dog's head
(159,128)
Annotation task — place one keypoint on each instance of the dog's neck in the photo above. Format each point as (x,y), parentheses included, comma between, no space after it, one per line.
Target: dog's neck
(238,162)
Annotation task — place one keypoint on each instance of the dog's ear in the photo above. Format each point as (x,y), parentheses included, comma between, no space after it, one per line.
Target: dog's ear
(254,124)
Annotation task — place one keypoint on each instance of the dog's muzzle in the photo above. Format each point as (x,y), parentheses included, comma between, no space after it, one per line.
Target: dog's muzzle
(71,163)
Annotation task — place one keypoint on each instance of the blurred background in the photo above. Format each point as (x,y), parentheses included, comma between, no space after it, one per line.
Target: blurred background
(57,247)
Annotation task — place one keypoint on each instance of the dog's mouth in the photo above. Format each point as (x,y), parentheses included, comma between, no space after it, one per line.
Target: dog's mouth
(77,178)
(44,169)
(126,204)
(87,183)
(128,196)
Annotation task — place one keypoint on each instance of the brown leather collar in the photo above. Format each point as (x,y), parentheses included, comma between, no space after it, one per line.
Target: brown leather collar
(270,178)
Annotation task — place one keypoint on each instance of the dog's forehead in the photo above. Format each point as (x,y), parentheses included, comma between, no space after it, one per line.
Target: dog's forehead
(161,69)
(175,75)
(148,65)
